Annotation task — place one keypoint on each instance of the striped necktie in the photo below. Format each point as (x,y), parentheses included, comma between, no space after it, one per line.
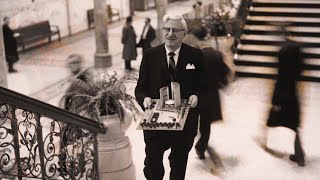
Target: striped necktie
(172,67)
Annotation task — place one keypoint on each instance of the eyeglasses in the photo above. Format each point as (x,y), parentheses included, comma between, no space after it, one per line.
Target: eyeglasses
(174,30)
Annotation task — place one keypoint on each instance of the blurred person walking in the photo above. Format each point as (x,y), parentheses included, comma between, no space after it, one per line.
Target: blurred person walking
(214,77)
(128,40)
(147,36)
(10,45)
(285,111)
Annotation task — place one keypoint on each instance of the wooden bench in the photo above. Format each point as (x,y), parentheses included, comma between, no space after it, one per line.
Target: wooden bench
(36,32)
(111,12)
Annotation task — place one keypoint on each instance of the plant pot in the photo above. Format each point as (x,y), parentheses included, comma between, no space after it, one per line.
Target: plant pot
(115,156)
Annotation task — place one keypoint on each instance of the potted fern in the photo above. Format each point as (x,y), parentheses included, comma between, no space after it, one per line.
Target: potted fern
(103,97)
(98,94)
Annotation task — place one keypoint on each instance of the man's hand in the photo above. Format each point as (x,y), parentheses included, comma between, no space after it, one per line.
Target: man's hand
(193,101)
(147,102)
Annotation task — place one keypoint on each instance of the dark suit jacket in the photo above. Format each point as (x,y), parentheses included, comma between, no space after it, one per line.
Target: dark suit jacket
(128,40)
(285,92)
(154,74)
(150,36)
(214,74)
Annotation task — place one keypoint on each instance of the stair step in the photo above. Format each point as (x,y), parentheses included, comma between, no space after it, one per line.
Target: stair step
(292,23)
(271,73)
(311,4)
(283,14)
(268,50)
(285,10)
(277,32)
(254,63)
(275,38)
(277,43)
(273,48)
(288,28)
(287,1)
(255,58)
(269,19)
(271,59)
(258,70)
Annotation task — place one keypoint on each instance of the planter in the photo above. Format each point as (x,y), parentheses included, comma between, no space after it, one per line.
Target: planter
(115,155)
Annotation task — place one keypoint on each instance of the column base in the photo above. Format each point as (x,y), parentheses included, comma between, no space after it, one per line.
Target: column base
(102,60)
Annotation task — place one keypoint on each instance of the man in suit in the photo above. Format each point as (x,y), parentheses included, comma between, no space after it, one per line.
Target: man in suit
(147,36)
(128,39)
(159,67)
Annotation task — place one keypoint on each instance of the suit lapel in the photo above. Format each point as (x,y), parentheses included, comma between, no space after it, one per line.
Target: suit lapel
(181,61)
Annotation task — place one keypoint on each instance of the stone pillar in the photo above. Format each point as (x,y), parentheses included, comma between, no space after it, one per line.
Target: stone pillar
(132,7)
(103,58)
(68,17)
(3,64)
(161,6)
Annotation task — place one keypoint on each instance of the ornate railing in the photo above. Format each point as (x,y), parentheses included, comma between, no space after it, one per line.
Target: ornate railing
(40,141)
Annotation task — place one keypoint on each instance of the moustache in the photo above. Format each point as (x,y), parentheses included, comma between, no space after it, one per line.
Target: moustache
(171,38)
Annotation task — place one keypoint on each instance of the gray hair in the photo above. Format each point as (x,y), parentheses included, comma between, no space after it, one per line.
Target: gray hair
(175,17)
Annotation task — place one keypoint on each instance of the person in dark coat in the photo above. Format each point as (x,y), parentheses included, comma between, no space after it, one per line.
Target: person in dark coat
(214,76)
(285,109)
(128,40)
(157,71)
(10,45)
(147,36)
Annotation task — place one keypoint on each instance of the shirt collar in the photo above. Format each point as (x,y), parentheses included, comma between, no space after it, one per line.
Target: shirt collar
(175,52)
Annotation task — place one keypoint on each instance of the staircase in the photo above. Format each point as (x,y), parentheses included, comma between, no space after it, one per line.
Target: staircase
(260,41)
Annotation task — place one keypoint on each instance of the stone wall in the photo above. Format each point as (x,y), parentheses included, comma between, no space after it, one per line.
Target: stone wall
(24,12)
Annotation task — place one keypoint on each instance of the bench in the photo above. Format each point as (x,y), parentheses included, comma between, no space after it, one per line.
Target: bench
(36,32)
(111,12)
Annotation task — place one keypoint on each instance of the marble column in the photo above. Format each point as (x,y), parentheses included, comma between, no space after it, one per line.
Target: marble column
(103,58)
(68,17)
(132,7)
(3,64)
(161,7)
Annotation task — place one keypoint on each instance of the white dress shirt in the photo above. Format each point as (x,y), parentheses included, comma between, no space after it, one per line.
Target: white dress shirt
(144,35)
(175,57)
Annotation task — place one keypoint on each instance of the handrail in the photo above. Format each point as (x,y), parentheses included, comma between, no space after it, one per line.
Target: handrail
(26,103)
